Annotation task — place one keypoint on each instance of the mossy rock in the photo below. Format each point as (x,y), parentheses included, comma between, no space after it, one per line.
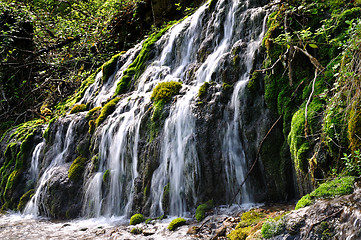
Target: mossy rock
(239,234)
(165,91)
(25,199)
(78,108)
(77,168)
(108,68)
(106,176)
(165,199)
(173,225)
(202,92)
(136,219)
(337,187)
(93,113)
(136,231)
(250,218)
(108,109)
(201,210)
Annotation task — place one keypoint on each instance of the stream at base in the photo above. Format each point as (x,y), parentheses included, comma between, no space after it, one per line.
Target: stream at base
(17,226)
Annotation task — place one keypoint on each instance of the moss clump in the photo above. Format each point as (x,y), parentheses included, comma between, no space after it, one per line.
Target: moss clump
(77,168)
(201,210)
(304,201)
(137,67)
(272,228)
(92,126)
(24,199)
(250,218)
(252,83)
(108,68)
(165,91)
(106,176)
(202,92)
(136,231)
(239,234)
(226,87)
(93,113)
(136,219)
(108,109)
(46,132)
(11,183)
(173,225)
(78,108)
(337,187)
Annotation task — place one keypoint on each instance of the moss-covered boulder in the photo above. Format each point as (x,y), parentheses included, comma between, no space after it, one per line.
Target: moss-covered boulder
(136,219)
(108,109)
(173,225)
(77,168)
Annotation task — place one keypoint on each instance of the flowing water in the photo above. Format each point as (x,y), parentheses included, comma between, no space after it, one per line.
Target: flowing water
(232,23)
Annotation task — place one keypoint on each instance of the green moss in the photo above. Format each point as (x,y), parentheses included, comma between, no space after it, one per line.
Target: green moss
(304,201)
(46,132)
(250,218)
(272,228)
(354,127)
(226,87)
(93,113)
(136,219)
(202,92)
(11,183)
(239,234)
(201,210)
(78,108)
(337,187)
(77,168)
(108,109)
(165,91)
(106,176)
(137,67)
(165,198)
(136,231)
(173,225)
(108,68)
(92,126)
(252,83)
(24,199)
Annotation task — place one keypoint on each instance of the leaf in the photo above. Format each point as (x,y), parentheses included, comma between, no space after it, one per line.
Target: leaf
(312,45)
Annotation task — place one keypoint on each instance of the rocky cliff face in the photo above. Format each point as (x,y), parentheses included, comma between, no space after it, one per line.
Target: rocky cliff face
(130,144)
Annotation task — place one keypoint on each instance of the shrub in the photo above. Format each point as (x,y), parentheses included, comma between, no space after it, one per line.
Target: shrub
(165,91)
(173,225)
(78,108)
(136,219)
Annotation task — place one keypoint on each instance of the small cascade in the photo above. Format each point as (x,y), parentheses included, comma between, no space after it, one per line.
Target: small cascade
(232,147)
(34,169)
(64,138)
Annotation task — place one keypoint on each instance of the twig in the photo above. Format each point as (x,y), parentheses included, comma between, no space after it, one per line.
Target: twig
(313,60)
(320,221)
(308,102)
(257,157)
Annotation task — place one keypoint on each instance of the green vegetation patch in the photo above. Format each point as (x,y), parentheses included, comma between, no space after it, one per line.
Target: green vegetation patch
(173,225)
(250,218)
(106,176)
(165,91)
(337,187)
(272,228)
(239,234)
(77,168)
(24,199)
(201,210)
(202,92)
(136,231)
(78,108)
(136,219)
(108,109)
(108,68)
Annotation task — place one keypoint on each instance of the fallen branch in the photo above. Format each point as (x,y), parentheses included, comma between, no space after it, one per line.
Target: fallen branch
(320,221)
(313,60)
(257,157)
(309,101)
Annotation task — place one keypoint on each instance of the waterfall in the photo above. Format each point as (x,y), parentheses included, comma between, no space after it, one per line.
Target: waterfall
(192,52)
(34,168)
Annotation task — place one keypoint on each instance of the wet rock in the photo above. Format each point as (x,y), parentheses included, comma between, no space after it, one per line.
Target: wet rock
(193,230)
(148,232)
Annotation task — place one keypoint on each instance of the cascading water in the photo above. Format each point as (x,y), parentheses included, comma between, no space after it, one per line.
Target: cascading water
(34,169)
(191,52)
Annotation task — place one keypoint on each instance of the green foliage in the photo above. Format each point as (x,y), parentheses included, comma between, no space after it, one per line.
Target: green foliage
(201,210)
(165,91)
(78,108)
(239,234)
(136,219)
(202,92)
(352,163)
(24,199)
(108,109)
(173,225)
(77,168)
(250,218)
(272,228)
(337,187)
